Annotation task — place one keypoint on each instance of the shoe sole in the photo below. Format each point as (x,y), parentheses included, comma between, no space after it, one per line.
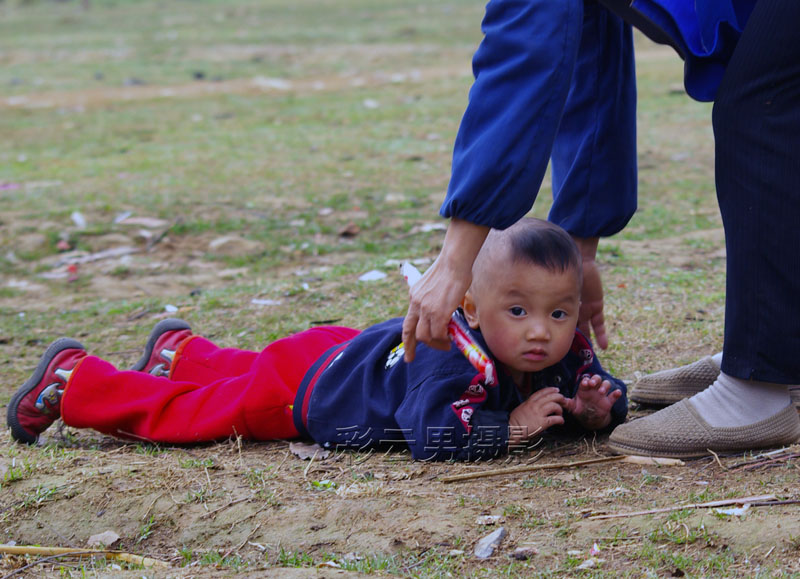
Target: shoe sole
(17,432)
(168,325)
(683,433)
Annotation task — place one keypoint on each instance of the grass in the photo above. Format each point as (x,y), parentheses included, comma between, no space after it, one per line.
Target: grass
(319,134)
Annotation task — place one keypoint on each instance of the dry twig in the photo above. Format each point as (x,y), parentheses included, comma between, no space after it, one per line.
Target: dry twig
(769,459)
(53,552)
(753,501)
(243,543)
(223,507)
(530,467)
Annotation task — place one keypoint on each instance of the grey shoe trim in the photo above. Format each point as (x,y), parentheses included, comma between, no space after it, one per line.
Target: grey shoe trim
(168,325)
(55,348)
(679,431)
(670,386)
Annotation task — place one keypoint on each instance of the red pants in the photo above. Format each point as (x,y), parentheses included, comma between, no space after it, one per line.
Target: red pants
(212,393)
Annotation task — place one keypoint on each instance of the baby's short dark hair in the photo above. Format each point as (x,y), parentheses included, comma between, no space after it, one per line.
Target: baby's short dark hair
(541,243)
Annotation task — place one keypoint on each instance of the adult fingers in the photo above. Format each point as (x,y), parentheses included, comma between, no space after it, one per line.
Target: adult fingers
(410,335)
(599,328)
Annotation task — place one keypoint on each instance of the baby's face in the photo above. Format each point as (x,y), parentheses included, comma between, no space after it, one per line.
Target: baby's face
(527,316)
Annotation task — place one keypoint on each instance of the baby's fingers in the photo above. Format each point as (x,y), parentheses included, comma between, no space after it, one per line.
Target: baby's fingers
(552,409)
(591,381)
(605,387)
(553,420)
(544,393)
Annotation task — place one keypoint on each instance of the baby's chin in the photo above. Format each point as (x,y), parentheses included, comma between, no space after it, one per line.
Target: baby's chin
(530,366)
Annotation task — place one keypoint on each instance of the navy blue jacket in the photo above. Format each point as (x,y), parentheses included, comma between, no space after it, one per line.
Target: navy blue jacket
(362,395)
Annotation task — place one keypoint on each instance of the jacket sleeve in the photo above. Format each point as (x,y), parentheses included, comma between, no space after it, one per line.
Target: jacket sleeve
(446,418)
(523,68)
(594,165)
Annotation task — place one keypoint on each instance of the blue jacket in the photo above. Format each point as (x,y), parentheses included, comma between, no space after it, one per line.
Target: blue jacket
(362,395)
(704,32)
(555,81)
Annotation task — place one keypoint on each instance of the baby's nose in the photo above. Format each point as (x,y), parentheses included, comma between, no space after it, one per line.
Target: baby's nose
(538,330)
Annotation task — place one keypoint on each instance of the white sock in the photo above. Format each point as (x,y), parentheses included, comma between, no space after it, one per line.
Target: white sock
(717,359)
(731,401)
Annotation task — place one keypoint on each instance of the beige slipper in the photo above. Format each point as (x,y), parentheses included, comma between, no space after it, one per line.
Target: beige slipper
(679,431)
(670,386)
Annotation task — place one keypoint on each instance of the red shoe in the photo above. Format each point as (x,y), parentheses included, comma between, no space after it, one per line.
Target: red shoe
(37,403)
(161,346)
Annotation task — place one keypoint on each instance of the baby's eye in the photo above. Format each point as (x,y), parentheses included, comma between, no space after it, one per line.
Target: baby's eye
(517,311)
(559,314)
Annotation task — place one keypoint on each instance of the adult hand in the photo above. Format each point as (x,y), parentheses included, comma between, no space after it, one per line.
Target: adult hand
(433,298)
(590,316)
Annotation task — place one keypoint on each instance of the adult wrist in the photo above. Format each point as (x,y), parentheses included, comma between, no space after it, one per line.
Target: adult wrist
(587,246)
(462,243)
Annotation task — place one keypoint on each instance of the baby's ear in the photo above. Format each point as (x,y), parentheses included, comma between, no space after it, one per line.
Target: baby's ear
(470,311)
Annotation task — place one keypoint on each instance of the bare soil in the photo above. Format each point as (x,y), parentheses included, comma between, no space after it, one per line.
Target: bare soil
(260,503)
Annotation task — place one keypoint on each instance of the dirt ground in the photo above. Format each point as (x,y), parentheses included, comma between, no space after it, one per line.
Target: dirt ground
(238,508)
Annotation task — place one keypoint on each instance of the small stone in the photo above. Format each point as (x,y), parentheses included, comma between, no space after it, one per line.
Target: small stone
(524,553)
(104,539)
(486,546)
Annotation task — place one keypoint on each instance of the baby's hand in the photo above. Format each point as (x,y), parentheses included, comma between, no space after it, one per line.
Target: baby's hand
(592,403)
(543,409)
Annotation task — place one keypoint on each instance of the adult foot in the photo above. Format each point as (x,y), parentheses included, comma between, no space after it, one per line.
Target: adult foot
(669,386)
(680,431)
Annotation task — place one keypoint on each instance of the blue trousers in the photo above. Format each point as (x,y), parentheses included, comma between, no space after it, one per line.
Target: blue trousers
(552,79)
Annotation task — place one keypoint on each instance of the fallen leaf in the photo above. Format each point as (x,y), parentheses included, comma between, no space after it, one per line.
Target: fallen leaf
(333,564)
(734,511)
(372,275)
(590,563)
(305,451)
(78,219)
(265,302)
(349,230)
(272,83)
